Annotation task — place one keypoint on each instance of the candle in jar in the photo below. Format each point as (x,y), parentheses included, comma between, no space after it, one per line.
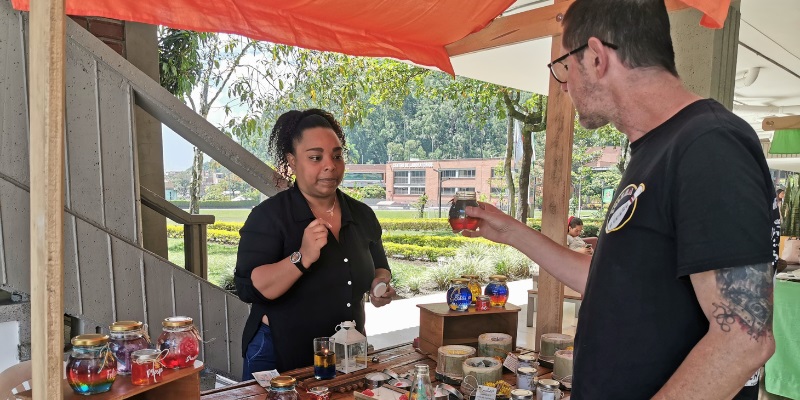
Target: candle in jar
(563,364)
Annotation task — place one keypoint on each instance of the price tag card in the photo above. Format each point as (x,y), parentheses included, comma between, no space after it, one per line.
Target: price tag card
(511,362)
(486,393)
(263,377)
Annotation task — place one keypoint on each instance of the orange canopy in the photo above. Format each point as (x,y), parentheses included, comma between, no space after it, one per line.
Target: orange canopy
(414,30)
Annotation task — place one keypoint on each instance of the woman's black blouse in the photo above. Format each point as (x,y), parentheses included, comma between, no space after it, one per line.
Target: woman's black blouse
(331,290)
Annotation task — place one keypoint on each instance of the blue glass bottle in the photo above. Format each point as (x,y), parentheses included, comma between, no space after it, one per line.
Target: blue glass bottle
(497,290)
(459,297)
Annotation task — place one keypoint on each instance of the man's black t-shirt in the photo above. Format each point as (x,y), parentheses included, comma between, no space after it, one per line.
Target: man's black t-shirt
(696,196)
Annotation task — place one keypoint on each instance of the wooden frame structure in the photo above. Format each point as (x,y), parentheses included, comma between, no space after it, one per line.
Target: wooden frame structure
(776,123)
(47,118)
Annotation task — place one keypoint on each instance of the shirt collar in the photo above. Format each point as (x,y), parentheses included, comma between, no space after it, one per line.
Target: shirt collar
(301,211)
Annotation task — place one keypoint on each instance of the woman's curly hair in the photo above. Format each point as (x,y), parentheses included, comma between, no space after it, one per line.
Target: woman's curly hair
(287,131)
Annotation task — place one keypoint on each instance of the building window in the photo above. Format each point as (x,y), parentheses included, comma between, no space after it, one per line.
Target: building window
(363,176)
(416,178)
(417,190)
(458,173)
(400,190)
(454,190)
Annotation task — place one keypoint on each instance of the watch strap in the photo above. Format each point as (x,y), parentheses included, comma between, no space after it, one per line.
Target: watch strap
(299,262)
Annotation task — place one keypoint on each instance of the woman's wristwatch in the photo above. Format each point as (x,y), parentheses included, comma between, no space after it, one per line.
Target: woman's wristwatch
(295,259)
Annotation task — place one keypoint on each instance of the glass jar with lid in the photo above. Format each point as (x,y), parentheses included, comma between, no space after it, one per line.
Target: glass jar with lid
(497,290)
(458,212)
(91,367)
(180,338)
(459,297)
(282,388)
(548,389)
(146,368)
(127,337)
(474,286)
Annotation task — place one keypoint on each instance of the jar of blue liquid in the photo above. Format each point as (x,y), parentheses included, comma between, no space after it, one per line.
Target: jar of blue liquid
(324,358)
(497,290)
(459,297)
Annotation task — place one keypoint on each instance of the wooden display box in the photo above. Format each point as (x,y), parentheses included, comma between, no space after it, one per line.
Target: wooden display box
(439,325)
(175,384)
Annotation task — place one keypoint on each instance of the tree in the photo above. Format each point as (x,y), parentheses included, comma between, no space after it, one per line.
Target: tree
(420,204)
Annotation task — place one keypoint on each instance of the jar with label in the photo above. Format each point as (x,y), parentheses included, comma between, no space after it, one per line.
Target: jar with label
(146,367)
(319,393)
(282,388)
(182,341)
(474,286)
(127,337)
(548,389)
(521,394)
(459,297)
(526,378)
(497,290)
(483,303)
(91,367)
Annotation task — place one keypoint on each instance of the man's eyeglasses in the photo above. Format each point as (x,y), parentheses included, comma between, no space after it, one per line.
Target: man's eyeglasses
(559,70)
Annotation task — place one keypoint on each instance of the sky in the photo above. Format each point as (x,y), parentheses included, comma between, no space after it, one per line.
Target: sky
(178,152)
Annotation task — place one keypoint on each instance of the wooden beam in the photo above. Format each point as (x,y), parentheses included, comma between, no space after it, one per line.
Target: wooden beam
(160,205)
(529,25)
(776,123)
(47,91)
(555,197)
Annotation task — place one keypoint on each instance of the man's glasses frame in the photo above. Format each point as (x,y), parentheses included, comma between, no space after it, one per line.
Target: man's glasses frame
(574,51)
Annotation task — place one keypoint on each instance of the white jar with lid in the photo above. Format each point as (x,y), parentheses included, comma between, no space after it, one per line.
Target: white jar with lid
(548,389)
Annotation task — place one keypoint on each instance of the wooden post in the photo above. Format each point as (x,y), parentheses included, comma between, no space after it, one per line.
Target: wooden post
(47,91)
(195,249)
(555,196)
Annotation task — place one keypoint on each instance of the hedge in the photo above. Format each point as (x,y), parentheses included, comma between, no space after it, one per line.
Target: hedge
(212,235)
(431,241)
(218,204)
(413,252)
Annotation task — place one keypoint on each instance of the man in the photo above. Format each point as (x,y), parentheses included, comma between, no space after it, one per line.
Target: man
(678,296)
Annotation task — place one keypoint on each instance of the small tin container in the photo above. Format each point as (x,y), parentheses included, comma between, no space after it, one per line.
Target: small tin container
(483,303)
(548,389)
(319,393)
(521,394)
(527,360)
(376,379)
(526,378)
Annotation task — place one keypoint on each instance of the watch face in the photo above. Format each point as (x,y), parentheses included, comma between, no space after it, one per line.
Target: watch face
(295,257)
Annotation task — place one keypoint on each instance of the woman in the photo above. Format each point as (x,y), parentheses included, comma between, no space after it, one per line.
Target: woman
(309,254)
(574,240)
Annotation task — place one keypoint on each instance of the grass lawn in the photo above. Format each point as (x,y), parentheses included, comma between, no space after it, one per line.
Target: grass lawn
(221,259)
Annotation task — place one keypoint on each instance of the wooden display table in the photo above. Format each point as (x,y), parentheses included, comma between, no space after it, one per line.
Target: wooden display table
(175,384)
(439,325)
(399,359)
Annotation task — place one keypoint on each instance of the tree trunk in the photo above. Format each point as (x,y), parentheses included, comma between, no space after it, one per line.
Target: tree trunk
(507,165)
(525,173)
(197,179)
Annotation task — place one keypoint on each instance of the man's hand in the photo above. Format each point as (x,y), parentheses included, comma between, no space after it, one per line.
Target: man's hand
(493,224)
(386,297)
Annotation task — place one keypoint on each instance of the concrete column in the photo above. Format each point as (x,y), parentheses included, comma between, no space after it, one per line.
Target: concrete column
(706,58)
(142,51)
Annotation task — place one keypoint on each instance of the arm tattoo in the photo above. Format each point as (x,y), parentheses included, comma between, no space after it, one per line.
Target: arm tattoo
(746,299)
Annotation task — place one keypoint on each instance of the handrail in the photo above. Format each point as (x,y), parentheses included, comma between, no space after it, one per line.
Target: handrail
(195,250)
(171,211)
(161,104)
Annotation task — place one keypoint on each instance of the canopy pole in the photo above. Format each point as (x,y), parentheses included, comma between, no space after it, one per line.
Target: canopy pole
(47,101)
(555,196)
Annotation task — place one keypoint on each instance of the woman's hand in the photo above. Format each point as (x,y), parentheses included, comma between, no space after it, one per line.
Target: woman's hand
(386,297)
(315,237)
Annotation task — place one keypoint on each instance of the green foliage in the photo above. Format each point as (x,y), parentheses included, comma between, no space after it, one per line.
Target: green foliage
(413,252)
(790,226)
(420,204)
(179,60)
(452,241)
(405,224)
(353,192)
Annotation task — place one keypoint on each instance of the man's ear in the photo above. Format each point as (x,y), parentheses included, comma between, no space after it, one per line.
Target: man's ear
(599,56)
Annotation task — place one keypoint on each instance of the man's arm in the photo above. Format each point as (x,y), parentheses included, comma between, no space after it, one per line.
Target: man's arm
(738,304)
(566,265)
